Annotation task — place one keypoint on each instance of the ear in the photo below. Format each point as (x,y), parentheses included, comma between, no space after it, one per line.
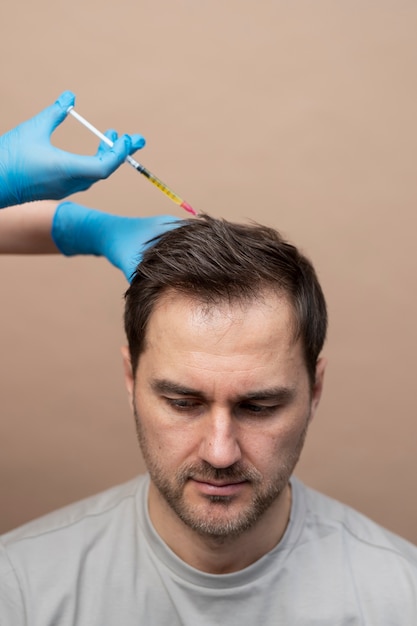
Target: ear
(127,367)
(318,385)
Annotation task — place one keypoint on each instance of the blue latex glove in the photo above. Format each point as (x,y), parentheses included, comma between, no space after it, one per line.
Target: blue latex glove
(31,168)
(122,240)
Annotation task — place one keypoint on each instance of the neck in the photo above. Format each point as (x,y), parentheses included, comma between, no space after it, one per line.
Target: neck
(220,555)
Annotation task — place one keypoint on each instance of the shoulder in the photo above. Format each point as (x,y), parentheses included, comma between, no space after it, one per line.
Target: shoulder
(367,544)
(89,544)
(75,517)
(351,556)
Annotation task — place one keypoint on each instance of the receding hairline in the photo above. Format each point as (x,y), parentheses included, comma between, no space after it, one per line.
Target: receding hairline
(208,305)
(214,261)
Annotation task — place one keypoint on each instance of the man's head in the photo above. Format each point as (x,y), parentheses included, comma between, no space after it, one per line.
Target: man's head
(215,261)
(225,324)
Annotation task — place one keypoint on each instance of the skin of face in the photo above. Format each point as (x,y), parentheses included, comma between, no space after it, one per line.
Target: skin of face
(222,402)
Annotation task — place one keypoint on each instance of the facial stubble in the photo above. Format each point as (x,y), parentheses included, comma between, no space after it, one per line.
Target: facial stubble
(219,521)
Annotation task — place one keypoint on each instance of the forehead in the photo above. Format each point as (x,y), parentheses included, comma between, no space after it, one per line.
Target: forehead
(180,319)
(223,350)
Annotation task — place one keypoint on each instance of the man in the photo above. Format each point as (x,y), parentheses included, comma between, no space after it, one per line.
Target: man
(225,326)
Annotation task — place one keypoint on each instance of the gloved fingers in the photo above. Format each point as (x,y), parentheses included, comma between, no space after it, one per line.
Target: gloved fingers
(138,235)
(113,157)
(88,169)
(119,151)
(138,142)
(103,146)
(156,226)
(48,119)
(79,230)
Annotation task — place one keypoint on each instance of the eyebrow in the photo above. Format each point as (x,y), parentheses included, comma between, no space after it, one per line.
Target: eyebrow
(278,394)
(162,385)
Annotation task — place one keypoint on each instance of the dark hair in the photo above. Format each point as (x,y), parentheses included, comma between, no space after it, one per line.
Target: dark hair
(213,260)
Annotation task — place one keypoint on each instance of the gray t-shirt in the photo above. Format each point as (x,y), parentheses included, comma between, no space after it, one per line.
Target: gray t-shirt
(99,562)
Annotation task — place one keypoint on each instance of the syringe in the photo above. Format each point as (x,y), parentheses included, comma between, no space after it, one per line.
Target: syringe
(140,168)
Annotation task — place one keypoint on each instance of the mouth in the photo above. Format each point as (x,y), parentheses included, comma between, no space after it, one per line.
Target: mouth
(219,488)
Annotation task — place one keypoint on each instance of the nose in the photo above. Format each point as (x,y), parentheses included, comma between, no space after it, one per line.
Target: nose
(219,443)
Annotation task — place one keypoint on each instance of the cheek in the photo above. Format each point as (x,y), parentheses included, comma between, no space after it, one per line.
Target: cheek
(180,444)
(170,442)
(271,446)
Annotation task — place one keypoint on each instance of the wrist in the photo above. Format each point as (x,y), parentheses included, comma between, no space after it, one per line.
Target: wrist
(7,197)
(77,229)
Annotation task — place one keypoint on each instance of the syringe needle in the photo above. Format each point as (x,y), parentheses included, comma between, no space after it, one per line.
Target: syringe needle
(140,168)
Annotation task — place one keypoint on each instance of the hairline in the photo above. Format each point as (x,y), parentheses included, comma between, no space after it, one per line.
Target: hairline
(207,304)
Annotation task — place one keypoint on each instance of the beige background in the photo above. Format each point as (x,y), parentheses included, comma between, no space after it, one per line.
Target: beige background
(299,114)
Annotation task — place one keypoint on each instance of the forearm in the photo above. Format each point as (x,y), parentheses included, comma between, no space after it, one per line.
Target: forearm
(26,229)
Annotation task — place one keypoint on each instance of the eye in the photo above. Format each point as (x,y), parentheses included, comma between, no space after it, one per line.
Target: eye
(183,404)
(258,410)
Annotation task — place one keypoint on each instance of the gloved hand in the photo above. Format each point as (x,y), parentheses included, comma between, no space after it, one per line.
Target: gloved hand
(122,240)
(31,168)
